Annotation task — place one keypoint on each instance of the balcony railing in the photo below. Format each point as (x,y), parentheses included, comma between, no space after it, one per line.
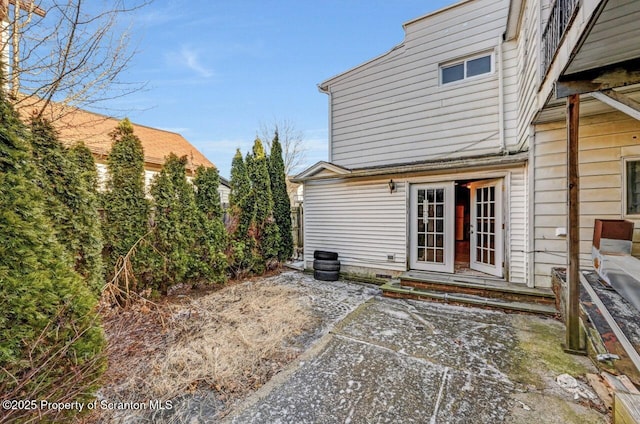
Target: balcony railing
(562,14)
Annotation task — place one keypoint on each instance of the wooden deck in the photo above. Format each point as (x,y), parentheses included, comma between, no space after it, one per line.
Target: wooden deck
(473,289)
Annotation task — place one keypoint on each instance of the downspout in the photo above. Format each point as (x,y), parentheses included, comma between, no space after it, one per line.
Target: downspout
(330,135)
(531,216)
(327,90)
(503,145)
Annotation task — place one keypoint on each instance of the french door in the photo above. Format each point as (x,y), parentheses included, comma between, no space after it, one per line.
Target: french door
(432,225)
(486,227)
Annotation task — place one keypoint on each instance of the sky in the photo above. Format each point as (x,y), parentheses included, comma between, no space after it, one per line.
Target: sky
(215,71)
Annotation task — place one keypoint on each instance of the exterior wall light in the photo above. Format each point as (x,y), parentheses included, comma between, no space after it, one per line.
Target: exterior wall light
(392,186)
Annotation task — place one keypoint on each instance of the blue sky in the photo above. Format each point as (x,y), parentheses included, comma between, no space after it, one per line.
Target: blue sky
(217,70)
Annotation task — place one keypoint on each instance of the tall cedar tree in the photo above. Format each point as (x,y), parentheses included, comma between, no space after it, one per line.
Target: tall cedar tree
(264,226)
(71,200)
(176,225)
(50,335)
(281,202)
(211,237)
(241,250)
(126,209)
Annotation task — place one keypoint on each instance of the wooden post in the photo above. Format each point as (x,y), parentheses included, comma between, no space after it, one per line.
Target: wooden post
(573,227)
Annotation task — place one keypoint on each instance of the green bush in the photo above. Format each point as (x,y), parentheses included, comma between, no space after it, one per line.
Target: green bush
(281,202)
(242,246)
(264,225)
(126,208)
(50,336)
(176,219)
(71,200)
(211,237)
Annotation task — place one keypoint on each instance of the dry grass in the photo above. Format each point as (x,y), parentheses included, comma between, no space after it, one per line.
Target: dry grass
(232,340)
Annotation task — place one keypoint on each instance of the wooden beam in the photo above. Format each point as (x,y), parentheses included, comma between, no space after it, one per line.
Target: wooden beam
(4,8)
(619,101)
(617,75)
(573,225)
(35,9)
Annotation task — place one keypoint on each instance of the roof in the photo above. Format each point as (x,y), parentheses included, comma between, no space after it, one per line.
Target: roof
(324,85)
(75,125)
(325,170)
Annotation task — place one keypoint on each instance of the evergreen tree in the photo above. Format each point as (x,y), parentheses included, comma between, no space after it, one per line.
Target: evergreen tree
(126,208)
(264,226)
(80,154)
(49,331)
(281,202)
(176,224)
(239,202)
(241,251)
(71,203)
(211,234)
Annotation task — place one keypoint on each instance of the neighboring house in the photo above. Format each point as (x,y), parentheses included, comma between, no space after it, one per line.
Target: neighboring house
(448,153)
(75,125)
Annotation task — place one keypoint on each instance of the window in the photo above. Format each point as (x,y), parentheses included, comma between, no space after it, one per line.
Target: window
(467,68)
(632,180)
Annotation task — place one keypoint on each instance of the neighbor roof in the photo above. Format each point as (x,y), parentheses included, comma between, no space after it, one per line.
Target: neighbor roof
(75,125)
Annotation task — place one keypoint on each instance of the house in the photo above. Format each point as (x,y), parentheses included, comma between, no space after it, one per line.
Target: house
(587,52)
(448,153)
(77,125)
(425,168)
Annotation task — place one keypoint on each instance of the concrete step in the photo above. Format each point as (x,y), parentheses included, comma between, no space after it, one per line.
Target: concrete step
(400,291)
(487,288)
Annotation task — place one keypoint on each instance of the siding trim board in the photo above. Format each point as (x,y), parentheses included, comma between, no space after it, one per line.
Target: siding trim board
(478,163)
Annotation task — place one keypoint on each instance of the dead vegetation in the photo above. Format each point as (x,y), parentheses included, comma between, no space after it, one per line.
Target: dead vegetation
(232,341)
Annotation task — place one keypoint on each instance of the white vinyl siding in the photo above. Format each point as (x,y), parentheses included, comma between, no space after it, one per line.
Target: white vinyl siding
(364,223)
(394,109)
(605,140)
(516,225)
(528,68)
(360,220)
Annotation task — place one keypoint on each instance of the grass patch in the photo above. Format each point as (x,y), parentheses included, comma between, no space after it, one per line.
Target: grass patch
(232,340)
(540,352)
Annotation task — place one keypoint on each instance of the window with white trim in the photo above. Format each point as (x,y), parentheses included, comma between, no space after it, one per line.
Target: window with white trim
(632,186)
(467,68)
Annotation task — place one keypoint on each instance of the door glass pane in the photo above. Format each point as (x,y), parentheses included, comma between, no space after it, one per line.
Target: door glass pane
(430,196)
(430,255)
(430,225)
(485,225)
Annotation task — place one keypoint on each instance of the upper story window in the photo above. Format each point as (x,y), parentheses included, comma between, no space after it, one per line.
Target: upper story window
(467,68)
(632,186)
